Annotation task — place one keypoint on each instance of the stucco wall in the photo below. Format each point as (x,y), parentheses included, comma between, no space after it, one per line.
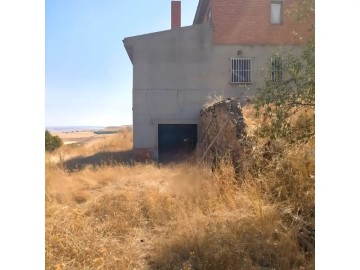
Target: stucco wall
(176,72)
(167,59)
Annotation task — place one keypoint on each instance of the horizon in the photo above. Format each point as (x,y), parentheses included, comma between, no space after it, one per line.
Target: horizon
(81,127)
(85,126)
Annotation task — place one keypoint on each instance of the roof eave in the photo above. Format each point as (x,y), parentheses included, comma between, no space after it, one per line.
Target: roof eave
(200,11)
(129,49)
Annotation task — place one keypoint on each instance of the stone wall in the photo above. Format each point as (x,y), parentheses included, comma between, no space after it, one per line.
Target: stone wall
(222,132)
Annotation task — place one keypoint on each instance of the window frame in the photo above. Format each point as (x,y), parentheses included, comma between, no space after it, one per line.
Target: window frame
(276,72)
(241,70)
(277,2)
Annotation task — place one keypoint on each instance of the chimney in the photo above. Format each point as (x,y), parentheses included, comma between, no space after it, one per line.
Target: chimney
(175,14)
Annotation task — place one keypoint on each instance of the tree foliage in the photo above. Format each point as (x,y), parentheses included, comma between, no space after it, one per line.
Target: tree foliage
(279,100)
(302,10)
(52,142)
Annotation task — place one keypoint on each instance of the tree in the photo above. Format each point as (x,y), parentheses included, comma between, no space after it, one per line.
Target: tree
(290,89)
(52,142)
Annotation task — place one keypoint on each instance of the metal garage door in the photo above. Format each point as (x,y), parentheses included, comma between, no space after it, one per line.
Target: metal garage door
(176,141)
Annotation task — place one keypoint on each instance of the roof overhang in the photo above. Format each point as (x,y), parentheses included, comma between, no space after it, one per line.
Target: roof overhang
(129,48)
(200,11)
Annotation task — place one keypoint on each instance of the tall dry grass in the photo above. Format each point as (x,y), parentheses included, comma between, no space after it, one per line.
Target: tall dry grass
(183,216)
(121,141)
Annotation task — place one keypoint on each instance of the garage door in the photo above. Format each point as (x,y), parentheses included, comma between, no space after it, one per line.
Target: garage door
(176,141)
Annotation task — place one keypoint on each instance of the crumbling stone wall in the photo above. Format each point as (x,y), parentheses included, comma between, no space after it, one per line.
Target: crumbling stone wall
(222,131)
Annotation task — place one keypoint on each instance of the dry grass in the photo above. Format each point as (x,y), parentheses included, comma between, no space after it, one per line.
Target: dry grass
(121,141)
(182,216)
(212,99)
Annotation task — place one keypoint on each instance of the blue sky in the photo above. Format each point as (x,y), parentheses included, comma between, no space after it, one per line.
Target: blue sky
(88,75)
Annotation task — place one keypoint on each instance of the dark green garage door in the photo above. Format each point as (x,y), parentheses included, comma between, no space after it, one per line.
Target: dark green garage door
(176,142)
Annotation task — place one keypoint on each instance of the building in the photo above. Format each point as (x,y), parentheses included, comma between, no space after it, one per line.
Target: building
(223,53)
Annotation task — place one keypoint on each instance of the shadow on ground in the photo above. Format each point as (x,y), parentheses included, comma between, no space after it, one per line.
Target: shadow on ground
(100,159)
(122,157)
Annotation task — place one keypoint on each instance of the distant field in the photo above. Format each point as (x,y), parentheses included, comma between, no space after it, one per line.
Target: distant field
(82,137)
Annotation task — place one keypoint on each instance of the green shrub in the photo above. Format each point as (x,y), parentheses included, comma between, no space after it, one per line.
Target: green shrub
(291,90)
(52,142)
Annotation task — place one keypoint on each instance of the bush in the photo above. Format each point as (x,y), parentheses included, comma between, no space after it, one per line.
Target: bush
(52,142)
(279,101)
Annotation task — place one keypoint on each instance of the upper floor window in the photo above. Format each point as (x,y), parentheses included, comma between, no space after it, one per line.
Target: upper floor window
(240,70)
(276,12)
(276,69)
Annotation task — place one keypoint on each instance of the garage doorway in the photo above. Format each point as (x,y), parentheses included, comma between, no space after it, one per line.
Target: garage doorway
(176,141)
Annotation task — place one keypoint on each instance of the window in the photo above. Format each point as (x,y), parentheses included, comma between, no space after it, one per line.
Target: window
(209,15)
(276,69)
(276,12)
(240,70)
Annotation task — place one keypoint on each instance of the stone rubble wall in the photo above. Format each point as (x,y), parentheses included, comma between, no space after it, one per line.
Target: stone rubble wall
(230,140)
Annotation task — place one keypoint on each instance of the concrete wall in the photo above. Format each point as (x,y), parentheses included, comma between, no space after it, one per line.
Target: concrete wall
(175,72)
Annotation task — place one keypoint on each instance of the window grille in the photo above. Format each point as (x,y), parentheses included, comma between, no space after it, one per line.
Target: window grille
(240,70)
(276,69)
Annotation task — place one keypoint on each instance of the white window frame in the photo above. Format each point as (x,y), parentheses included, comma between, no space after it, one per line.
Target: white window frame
(280,20)
(276,69)
(241,70)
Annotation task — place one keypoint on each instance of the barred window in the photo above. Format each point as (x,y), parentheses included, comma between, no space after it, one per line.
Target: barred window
(276,69)
(240,70)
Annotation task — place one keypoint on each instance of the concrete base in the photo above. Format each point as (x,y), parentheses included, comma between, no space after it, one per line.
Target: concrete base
(143,154)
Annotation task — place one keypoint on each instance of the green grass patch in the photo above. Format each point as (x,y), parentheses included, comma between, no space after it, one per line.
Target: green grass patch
(99,132)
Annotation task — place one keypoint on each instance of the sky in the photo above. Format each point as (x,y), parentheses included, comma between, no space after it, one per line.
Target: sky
(88,74)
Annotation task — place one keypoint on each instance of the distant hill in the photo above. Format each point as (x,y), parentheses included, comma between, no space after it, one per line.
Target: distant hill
(116,128)
(113,129)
